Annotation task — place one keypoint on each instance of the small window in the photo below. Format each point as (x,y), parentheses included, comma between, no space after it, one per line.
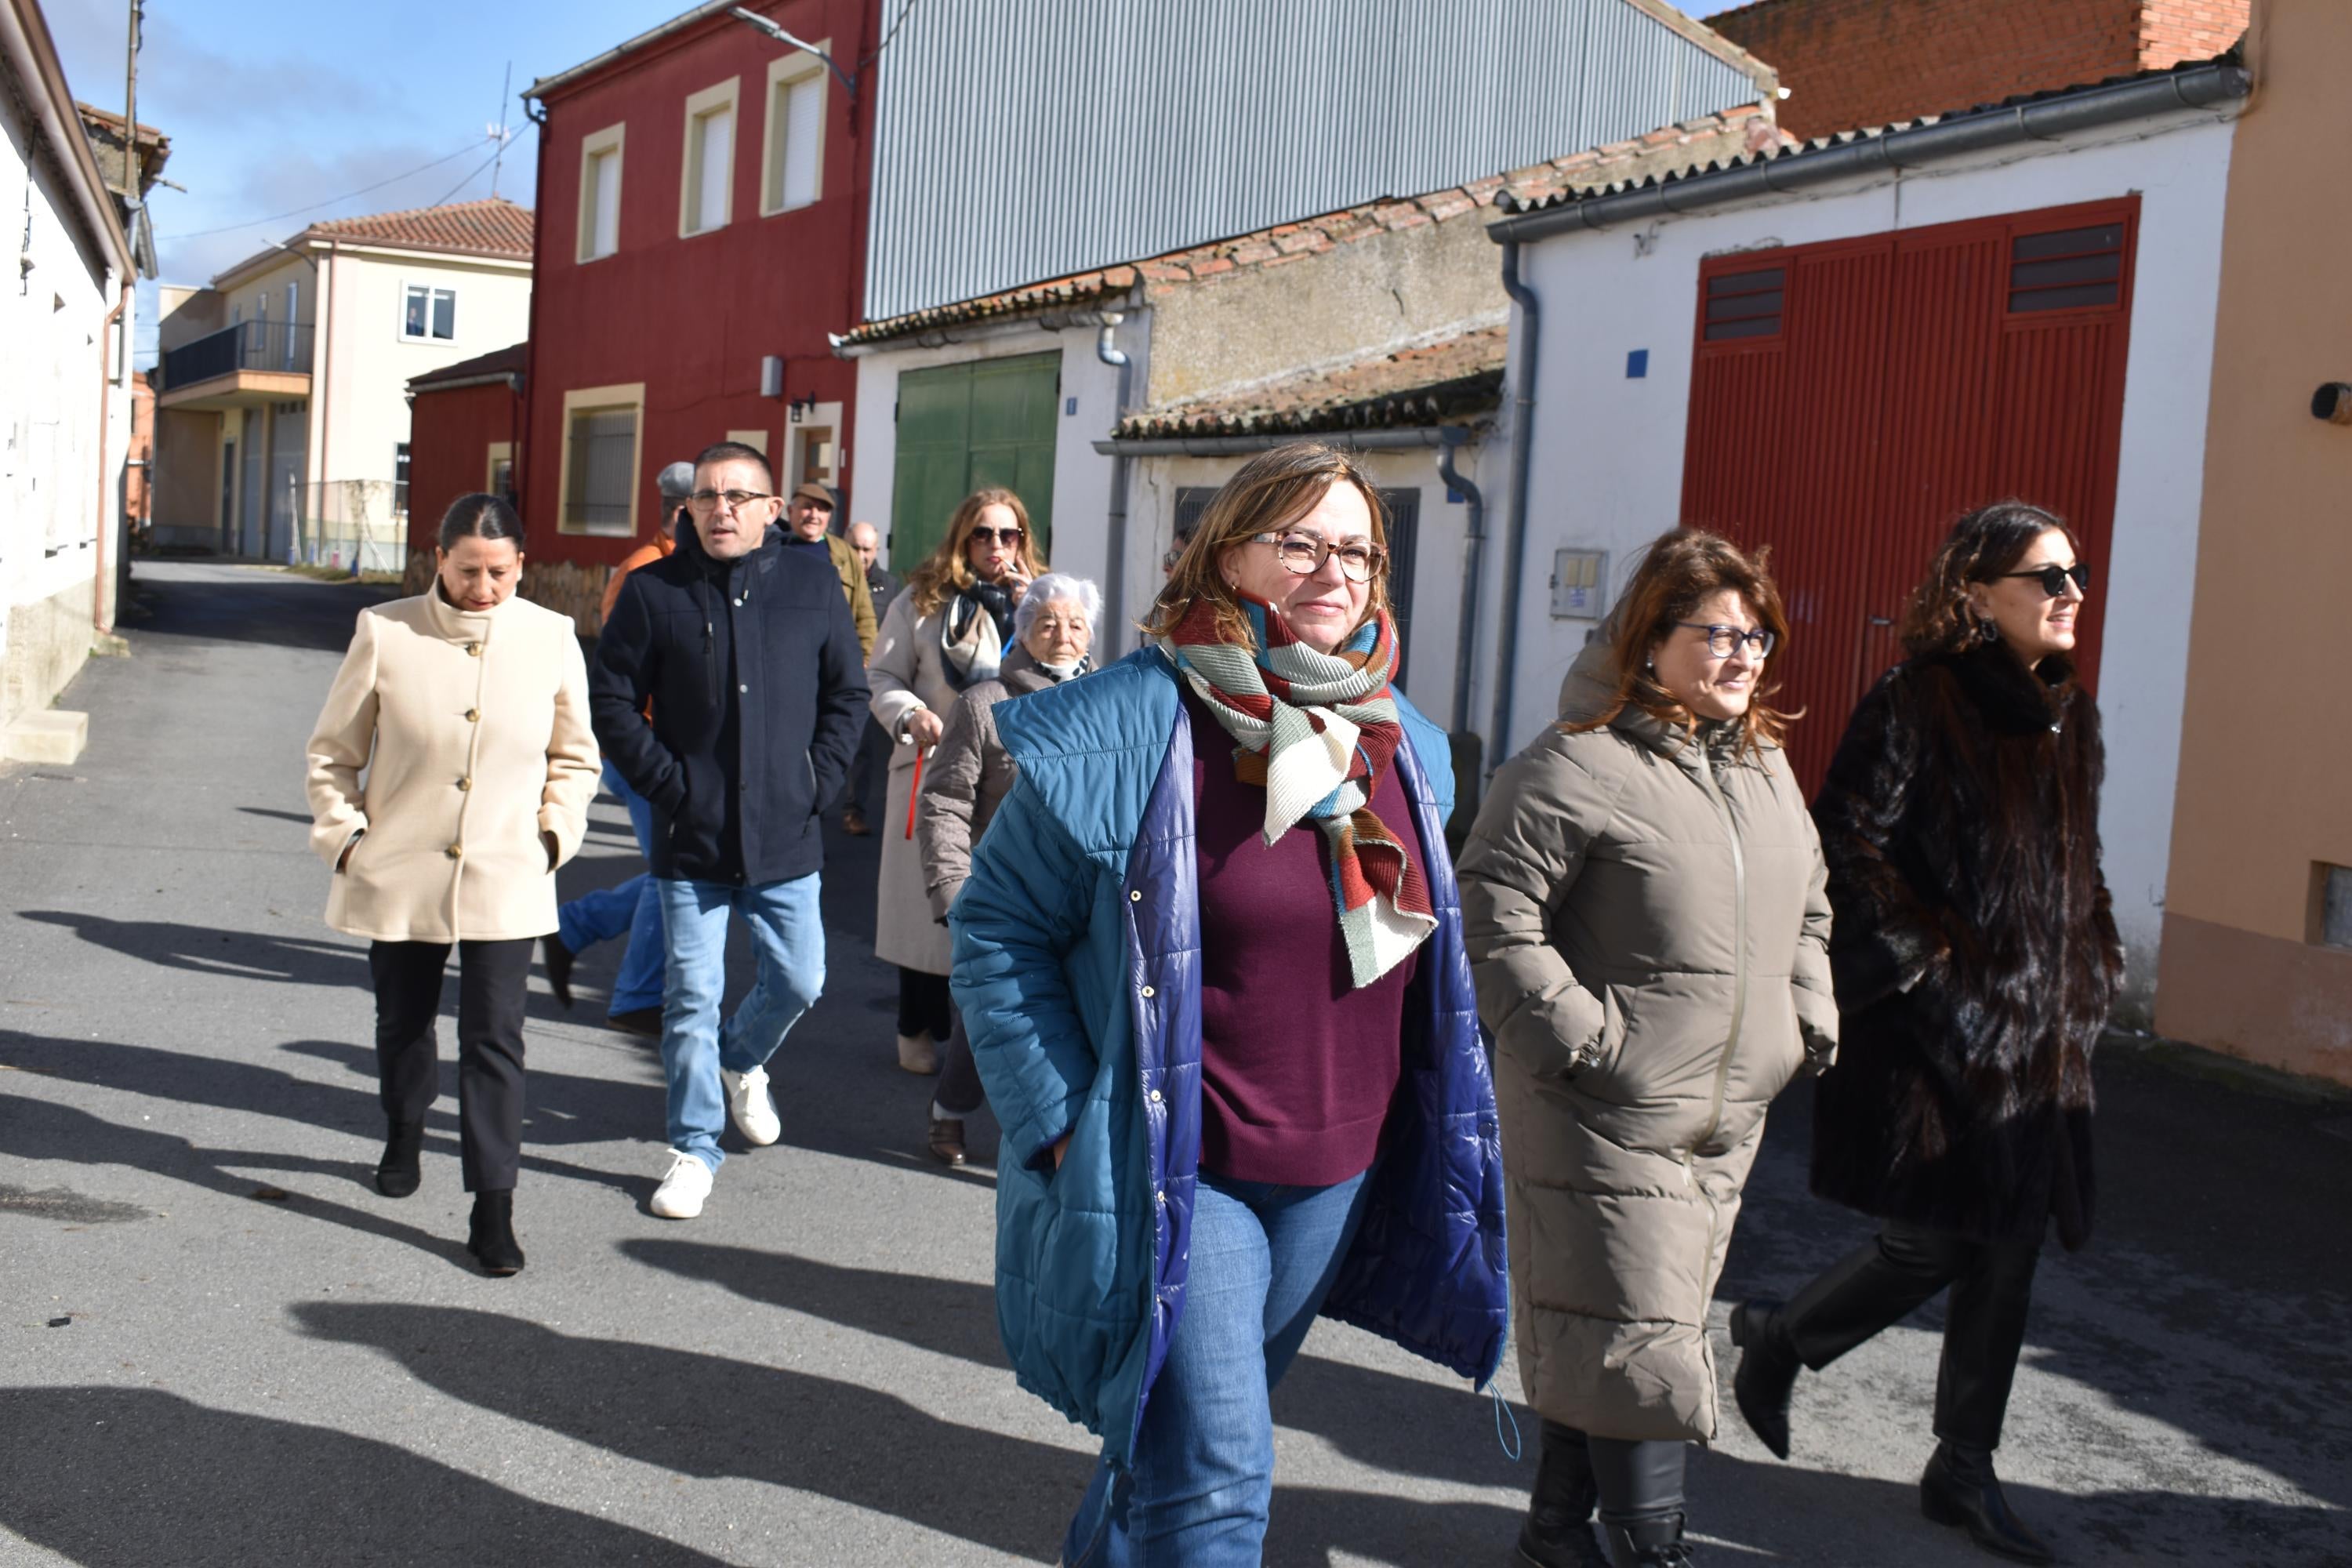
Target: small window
(1744,304)
(430,314)
(2075,269)
(2334,905)
(602,443)
(709,178)
(793,164)
(600,193)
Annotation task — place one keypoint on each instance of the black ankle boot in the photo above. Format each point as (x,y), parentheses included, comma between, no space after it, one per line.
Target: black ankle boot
(1959,1489)
(558,959)
(1558,1528)
(1767,1372)
(490,1237)
(1648,1544)
(396,1175)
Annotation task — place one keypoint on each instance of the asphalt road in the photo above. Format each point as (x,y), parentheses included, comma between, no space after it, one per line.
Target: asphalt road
(219,1345)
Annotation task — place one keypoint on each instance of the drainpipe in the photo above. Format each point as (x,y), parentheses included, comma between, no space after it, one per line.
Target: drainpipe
(539,253)
(1115,569)
(105,502)
(1527,341)
(1465,638)
(325,355)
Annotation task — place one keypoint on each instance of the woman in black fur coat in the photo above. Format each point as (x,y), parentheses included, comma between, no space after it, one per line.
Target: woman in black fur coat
(1975,960)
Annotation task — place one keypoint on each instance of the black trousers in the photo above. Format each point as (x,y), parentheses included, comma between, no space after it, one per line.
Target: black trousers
(1984,1327)
(867,765)
(959,1093)
(925,1005)
(493,979)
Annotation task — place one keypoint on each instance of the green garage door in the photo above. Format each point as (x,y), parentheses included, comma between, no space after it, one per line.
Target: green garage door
(990,421)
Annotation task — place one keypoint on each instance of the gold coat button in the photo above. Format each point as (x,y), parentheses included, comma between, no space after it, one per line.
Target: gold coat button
(454,851)
(464,783)
(473,715)
(473,650)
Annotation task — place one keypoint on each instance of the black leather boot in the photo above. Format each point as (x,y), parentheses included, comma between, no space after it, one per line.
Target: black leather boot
(1767,1372)
(559,960)
(1558,1528)
(1959,1489)
(396,1175)
(490,1237)
(1648,1544)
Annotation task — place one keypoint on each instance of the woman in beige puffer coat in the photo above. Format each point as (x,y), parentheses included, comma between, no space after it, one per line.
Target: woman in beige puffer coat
(1648,932)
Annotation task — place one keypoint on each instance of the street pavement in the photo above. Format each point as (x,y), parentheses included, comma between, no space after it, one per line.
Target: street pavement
(219,1345)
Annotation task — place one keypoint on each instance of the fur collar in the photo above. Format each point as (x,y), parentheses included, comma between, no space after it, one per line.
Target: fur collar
(2012,698)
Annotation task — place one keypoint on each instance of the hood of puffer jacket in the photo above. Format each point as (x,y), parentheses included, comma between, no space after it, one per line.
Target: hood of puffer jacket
(1590,690)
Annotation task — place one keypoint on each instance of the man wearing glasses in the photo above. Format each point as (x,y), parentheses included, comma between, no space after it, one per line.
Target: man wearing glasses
(745,647)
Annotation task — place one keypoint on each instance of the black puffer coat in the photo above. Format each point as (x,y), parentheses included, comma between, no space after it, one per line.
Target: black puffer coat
(1973,949)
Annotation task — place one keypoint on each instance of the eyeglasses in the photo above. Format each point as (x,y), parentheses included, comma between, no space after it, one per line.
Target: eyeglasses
(1302,554)
(2054,577)
(996,536)
(1721,640)
(708,500)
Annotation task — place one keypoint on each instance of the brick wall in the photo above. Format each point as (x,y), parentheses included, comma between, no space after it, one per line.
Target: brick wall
(2171,31)
(1850,63)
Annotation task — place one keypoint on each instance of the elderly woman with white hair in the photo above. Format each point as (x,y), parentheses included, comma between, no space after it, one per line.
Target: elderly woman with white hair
(970,775)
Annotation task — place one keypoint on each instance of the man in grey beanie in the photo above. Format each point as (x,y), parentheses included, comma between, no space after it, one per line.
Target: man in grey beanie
(635,905)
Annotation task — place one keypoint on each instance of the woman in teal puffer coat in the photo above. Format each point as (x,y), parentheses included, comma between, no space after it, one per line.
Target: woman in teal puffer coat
(1210,957)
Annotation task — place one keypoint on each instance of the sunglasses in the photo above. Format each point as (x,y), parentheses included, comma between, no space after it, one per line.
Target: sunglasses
(997,535)
(2054,577)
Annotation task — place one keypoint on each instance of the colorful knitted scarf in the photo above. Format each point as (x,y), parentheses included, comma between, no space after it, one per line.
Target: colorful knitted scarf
(1317,730)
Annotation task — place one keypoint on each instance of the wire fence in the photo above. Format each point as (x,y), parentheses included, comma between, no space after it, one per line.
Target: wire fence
(361,525)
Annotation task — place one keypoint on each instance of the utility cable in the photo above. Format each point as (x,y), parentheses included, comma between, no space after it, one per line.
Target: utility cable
(329,201)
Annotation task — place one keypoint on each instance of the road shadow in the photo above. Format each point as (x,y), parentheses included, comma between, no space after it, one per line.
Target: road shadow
(1789,1514)
(706,1416)
(130,1477)
(254,605)
(1395,1423)
(296,816)
(209,949)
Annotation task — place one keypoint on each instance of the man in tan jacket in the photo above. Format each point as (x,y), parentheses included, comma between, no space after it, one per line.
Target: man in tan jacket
(807,517)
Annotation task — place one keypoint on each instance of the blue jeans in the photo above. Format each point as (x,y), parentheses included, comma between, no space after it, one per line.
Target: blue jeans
(1263,1257)
(788,943)
(633,907)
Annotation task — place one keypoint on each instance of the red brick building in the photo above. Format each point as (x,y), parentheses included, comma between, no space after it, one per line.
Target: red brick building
(1851,63)
(466,425)
(702,201)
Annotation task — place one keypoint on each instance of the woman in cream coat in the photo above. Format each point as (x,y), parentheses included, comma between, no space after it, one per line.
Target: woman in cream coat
(468,708)
(950,630)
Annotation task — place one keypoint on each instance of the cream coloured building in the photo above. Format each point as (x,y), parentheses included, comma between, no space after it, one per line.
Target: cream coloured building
(282,412)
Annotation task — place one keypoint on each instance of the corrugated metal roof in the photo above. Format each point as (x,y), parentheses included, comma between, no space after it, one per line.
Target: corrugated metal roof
(1447,378)
(1019,140)
(1748,125)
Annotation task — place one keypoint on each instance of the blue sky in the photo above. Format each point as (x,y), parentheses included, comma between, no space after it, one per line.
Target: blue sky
(286,112)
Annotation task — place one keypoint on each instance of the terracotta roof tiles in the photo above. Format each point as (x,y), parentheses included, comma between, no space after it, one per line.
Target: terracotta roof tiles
(1444,379)
(492,227)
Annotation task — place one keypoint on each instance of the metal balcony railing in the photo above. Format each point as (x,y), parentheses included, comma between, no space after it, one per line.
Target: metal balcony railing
(248,345)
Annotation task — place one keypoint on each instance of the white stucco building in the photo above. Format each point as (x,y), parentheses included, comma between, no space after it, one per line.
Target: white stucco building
(281,409)
(65,401)
(1836,350)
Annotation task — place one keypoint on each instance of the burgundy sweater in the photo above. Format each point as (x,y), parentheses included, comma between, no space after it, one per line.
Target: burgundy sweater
(1297,1067)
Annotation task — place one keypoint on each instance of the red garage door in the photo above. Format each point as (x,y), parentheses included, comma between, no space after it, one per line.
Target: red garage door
(1850,399)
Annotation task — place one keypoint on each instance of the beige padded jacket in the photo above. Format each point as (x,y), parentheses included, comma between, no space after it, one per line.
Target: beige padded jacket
(473,728)
(1648,934)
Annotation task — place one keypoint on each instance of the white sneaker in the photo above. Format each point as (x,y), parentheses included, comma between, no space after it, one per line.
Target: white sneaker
(683,1187)
(750,1106)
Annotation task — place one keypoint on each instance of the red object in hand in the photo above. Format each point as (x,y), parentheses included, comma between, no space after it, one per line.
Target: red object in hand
(915,792)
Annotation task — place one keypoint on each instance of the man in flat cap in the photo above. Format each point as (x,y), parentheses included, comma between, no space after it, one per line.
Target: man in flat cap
(808,521)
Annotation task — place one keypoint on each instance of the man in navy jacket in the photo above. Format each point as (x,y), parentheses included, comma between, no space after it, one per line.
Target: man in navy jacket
(747,653)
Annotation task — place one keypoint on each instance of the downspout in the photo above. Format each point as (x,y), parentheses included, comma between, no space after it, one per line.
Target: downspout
(1466,637)
(1526,340)
(326,356)
(105,503)
(530,333)
(1114,567)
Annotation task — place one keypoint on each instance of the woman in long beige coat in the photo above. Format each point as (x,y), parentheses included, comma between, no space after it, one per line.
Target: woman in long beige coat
(1648,933)
(468,710)
(949,630)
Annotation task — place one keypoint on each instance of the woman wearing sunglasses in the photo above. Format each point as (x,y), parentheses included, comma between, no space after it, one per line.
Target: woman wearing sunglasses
(949,630)
(1211,963)
(1648,932)
(1975,959)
